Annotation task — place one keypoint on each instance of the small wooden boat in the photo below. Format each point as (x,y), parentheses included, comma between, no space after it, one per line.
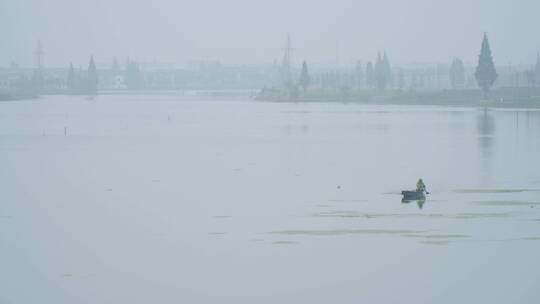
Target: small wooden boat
(413,195)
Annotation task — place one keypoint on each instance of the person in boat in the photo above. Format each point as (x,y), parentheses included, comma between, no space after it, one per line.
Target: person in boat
(420,186)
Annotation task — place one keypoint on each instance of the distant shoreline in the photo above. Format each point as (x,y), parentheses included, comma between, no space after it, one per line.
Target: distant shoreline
(211,94)
(16,97)
(499,98)
(477,103)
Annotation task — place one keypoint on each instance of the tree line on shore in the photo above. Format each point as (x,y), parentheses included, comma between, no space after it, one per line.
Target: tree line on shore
(379,76)
(375,76)
(83,83)
(86,82)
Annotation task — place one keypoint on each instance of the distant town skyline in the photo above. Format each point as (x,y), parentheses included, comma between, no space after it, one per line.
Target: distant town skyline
(254,32)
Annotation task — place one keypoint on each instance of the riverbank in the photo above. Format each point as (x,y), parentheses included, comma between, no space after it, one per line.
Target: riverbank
(500,97)
(245,94)
(16,96)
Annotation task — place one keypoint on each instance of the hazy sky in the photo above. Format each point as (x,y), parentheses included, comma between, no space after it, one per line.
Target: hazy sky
(250,31)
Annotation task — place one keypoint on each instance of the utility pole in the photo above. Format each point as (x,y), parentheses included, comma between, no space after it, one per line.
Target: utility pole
(287,60)
(288,51)
(38,72)
(337,54)
(39,55)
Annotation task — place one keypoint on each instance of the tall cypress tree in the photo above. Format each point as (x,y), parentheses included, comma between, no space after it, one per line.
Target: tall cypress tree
(115,68)
(304,80)
(133,76)
(387,71)
(71,78)
(370,75)
(92,77)
(380,73)
(457,74)
(485,71)
(537,69)
(358,75)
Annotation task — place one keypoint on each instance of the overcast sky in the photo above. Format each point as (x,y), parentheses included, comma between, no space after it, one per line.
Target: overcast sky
(251,31)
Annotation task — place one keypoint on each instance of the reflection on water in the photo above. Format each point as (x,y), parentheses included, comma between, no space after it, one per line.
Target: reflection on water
(291,129)
(419,203)
(486,131)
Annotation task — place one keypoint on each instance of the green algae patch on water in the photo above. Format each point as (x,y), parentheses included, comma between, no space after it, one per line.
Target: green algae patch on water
(323,206)
(493,190)
(532,238)
(469,216)
(217,233)
(447,236)
(337,232)
(354,214)
(505,203)
(437,239)
(351,214)
(437,242)
(285,243)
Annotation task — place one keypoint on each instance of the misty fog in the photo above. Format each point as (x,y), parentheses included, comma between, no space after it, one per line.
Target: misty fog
(269,151)
(242,31)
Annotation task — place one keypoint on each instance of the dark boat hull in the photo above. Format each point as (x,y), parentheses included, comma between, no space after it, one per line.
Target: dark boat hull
(413,195)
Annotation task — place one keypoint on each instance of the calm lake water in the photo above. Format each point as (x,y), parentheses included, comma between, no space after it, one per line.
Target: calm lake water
(151,199)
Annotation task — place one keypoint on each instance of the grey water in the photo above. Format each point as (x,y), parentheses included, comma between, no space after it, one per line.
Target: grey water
(153,199)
